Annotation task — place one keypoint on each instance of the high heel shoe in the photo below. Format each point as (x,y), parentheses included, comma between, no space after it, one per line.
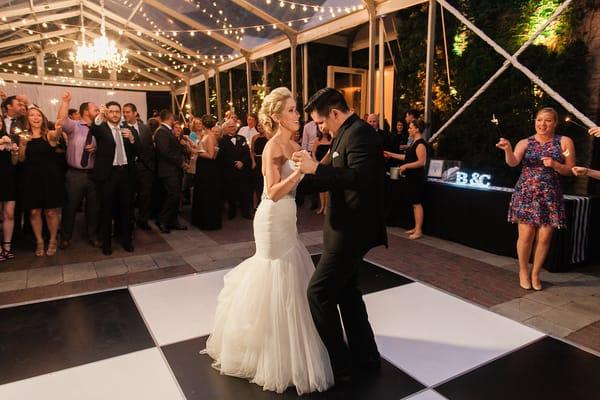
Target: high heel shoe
(39,249)
(52,244)
(526,285)
(537,286)
(7,251)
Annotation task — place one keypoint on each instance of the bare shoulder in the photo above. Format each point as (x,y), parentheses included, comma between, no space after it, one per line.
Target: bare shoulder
(566,141)
(273,149)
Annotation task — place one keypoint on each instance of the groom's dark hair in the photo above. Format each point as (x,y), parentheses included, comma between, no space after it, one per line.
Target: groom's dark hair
(325,100)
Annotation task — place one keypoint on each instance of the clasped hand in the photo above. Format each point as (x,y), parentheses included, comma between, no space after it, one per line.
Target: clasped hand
(304,162)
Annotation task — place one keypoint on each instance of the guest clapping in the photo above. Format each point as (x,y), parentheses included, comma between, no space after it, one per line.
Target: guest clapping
(537,203)
(413,168)
(43,185)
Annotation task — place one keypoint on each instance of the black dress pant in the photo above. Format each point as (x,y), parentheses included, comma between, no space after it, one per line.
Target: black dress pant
(116,191)
(170,208)
(238,190)
(335,282)
(145,181)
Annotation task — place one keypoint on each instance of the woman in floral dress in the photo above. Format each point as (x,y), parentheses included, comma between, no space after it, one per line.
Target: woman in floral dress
(537,203)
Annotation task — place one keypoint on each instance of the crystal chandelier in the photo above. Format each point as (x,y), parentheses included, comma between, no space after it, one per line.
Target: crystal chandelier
(103,54)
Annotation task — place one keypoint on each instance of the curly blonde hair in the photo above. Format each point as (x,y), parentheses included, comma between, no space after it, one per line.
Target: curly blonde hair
(273,104)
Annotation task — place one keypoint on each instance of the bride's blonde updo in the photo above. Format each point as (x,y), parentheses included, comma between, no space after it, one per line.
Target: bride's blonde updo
(273,104)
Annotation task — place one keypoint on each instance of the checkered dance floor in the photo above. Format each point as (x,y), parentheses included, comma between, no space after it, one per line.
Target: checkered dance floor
(142,342)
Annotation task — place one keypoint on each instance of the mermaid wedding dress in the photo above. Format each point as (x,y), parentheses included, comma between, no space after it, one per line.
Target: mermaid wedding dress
(263,330)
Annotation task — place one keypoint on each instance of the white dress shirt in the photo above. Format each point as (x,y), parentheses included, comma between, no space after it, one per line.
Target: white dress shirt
(119,141)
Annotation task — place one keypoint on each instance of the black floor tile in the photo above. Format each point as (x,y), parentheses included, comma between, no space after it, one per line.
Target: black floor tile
(372,278)
(547,369)
(50,336)
(200,381)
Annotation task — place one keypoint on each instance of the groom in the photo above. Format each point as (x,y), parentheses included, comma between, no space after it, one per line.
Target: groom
(354,224)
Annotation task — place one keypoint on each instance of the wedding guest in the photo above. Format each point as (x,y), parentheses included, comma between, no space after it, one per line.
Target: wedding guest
(207,205)
(190,167)
(114,174)
(80,161)
(413,168)
(15,121)
(170,157)
(309,133)
(249,130)
(8,189)
(74,115)
(257,146)
(386,138)
(43,186)
(237,169)
(15,115)
(145,163)
(537,204)
(153,125)
(319,150)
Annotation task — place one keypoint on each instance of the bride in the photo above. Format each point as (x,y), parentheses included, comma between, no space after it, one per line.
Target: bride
(263,329)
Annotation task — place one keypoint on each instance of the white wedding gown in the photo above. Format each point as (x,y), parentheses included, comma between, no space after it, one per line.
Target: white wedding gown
(263,329)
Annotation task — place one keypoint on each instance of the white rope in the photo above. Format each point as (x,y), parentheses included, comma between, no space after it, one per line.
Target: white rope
(512,60)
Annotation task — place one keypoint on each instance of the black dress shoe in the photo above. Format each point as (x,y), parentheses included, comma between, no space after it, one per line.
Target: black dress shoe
(128,247)
(178,227)
(106,250)
(163,228)
(143,225)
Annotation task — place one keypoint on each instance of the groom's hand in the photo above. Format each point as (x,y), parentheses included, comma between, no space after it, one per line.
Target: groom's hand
(304,162)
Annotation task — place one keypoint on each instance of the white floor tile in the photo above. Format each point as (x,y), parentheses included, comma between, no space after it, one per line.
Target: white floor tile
(427,395)
(434,336)
(179,309)
(140,375)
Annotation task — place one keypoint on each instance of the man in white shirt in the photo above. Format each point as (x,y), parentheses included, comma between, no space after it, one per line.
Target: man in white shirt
(249,130)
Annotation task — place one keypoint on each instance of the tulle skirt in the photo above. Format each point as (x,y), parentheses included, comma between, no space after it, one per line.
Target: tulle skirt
(263,329)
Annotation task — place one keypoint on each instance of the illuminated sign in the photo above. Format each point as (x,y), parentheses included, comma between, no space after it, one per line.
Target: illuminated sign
(475,179)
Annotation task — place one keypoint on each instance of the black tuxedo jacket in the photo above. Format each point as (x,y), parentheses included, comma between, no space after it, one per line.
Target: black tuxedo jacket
(169,153)
(146,159)
(105,151)
(355,218)
(229,153)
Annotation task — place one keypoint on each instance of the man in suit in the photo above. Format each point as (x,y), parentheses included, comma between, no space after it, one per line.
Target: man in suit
(237,169)
(170,157)
(354,223)
(114,173)
(386,137)
(145,163)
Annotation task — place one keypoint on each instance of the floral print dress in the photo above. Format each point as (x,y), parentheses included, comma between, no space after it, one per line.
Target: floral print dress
(538,198)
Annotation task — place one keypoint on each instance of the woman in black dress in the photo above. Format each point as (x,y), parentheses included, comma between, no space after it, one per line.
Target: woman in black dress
(257,145)
(43,185)
(319,149)
(413,168)
(8,189)
(206,203)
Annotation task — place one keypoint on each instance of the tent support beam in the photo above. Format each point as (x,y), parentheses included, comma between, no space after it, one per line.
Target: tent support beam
(429,61)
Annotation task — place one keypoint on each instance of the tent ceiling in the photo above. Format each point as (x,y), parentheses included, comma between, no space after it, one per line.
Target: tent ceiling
(178,39)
